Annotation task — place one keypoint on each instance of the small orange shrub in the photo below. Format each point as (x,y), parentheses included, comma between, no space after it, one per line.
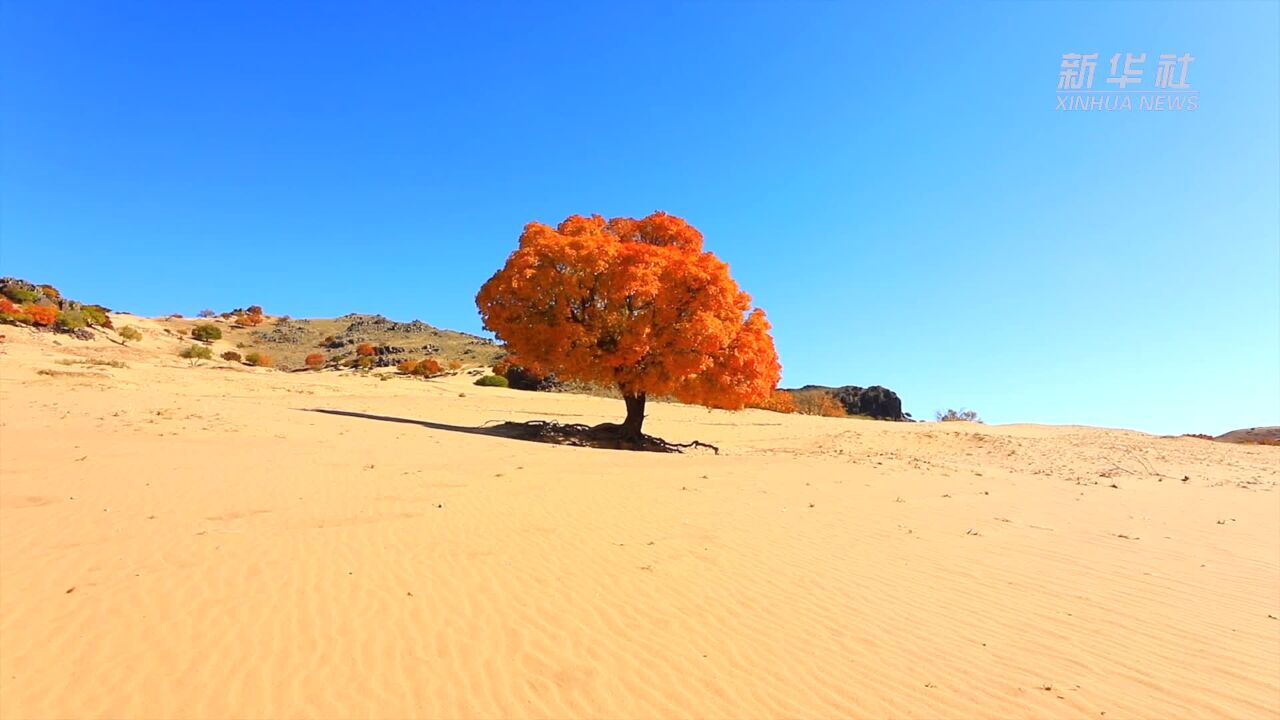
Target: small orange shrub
(407,366)
(455,364)
(366,350)
(42,315)
(315,361)
(259,359)
(249,320)
(428,367)
(778,401)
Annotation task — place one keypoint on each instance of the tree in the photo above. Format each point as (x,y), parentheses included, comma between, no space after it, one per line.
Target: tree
(637,304)
(196,353)
(206,332)
(129,333)
(315,361)
(961,415)
(206,313)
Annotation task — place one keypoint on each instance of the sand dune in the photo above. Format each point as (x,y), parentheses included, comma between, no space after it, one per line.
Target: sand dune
(201,542)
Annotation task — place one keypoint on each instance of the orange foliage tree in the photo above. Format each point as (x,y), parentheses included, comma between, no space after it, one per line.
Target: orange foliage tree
(633,303)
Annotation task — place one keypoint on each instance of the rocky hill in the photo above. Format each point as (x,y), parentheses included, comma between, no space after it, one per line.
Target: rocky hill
(288,340)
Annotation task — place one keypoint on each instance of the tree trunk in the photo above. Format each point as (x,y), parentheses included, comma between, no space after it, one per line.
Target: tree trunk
(635,414)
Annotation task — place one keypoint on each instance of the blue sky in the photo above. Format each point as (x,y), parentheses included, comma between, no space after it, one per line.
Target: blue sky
(892,184)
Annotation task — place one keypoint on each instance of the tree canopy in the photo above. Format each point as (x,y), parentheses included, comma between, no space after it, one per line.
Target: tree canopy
(635,303)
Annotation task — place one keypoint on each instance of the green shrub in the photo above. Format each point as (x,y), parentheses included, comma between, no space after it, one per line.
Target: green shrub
(958,416)
(70,320)
(206,332)
(492,381)
(196,353)
(258,359)
(19,295)
(130,333)
(231,356)
(96,315)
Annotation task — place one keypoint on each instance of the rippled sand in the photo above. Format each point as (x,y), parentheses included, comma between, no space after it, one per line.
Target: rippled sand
(198,542)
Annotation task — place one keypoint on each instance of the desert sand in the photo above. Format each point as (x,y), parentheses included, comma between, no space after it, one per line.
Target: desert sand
(180,542)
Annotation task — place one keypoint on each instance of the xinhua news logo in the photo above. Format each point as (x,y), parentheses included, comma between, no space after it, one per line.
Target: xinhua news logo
(1125,88)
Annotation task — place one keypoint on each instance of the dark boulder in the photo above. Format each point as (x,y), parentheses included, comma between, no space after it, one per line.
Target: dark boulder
(520,378)
(876,401)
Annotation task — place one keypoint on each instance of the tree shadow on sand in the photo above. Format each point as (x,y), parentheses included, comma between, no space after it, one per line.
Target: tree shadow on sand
(605,436)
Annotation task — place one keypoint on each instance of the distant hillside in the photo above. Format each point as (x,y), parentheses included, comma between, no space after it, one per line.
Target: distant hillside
(288,341)
(1269,435)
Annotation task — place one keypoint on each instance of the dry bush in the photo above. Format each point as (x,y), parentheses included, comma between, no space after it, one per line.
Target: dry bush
(258,359)
(315,361)
(231,356)
(129,333)
(817,402)
(960,415)
(778,401)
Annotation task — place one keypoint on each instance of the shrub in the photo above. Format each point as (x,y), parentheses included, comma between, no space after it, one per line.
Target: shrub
(12,313)
(778,401)
(175,316)
(130,333)
(455,365)
(196,353)
(254,310)
(960,415)
(366,350)
(96,315)
(231,356)
(206,313)
(70,320)
(315,361)
(50,292)
(42,315)
(206,332)
(18,295)
(818,402)
(500,368)
(248,320)
(407,366)
(428,367)
(364,363)
(492,381)
(258,359)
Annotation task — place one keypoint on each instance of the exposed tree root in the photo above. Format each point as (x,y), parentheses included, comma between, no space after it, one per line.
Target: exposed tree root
(606,435)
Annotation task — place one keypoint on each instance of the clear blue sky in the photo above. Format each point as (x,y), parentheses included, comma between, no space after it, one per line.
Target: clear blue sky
(893,185)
